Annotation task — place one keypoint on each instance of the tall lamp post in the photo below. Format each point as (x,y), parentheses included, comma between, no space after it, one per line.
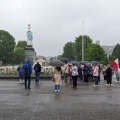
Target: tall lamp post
(82,40)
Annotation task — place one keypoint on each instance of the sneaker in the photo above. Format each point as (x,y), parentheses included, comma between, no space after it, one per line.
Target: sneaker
(117,81)
(58,90)
(95,85)
(107,84)
(110,84)
(55,90)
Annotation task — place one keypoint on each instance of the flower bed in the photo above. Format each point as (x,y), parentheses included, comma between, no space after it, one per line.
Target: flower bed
(11,71)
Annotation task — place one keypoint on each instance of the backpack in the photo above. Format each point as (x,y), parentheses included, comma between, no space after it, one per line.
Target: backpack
(27,68)
(36,68)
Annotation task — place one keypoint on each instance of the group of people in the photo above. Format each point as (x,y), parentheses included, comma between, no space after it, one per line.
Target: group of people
(79,72)
(70,71)
(107,74)
(83,73)
(25,71)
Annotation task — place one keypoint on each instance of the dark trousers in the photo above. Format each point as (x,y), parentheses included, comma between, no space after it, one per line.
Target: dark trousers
(74,81)
(109,79)
(86,78)
(96,80)
(104,77)
(99,77)
(27,79)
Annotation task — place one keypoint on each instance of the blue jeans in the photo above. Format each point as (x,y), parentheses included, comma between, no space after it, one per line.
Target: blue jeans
(57,87)
(79,78)
(96,80)
(65,77)
(37,76)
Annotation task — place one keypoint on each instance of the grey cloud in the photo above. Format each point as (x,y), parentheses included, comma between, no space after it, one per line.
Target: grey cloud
(56,22)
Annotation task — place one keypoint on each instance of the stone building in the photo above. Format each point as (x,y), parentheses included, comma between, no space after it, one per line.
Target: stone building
(108,49)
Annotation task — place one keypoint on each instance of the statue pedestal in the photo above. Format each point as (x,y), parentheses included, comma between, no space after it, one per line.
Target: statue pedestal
(30,54)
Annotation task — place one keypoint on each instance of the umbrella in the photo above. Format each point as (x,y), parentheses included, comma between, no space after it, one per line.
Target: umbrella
(56,63)
(73,62)
(82,63)
(64,60)
(41,60)
(94,62)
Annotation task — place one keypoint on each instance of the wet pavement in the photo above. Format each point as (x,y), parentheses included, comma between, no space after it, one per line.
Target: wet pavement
(43,103)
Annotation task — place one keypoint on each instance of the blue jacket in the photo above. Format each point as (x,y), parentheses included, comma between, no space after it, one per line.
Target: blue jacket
(28,67)
(20,68)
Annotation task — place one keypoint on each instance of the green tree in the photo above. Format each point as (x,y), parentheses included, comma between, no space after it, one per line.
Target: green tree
(18,55)
(59,57)
(69,51)
(116,52)
(96,53)
(22,44)
(78,46)
(111,59)
(7,45)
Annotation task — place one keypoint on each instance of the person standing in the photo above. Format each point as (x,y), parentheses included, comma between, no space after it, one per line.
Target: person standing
(99,72)
(117,75)
(37,68)
(85,73)
(109,75)
(57,76)
(74,72)
(79,72)
(65,71)
(28,71)
(104,73)
(69,73)
(96,74)
(20,69)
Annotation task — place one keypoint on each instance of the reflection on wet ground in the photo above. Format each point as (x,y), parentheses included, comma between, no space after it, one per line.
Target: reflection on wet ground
(41,102)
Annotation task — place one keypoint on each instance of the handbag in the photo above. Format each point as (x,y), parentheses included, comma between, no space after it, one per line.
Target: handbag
(53,79)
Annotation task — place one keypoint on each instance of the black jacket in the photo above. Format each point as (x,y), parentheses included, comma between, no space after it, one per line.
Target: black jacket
(39,67)
(108,71)
(79,71)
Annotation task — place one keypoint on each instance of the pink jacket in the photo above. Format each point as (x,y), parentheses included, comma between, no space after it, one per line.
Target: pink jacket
(95,72)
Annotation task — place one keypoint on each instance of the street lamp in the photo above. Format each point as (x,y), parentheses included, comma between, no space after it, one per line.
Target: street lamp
(82,40)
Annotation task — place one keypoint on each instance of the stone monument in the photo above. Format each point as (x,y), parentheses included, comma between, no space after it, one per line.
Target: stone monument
(29,50)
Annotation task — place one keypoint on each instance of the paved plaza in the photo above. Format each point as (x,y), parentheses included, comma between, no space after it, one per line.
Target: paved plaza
(42,103)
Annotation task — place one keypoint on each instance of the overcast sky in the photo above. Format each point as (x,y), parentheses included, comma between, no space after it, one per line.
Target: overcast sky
(56,22)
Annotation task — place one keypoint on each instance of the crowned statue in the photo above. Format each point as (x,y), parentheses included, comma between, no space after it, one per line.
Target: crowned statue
(29,35)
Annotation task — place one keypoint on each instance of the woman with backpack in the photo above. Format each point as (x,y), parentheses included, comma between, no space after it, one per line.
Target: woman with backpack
(37,68)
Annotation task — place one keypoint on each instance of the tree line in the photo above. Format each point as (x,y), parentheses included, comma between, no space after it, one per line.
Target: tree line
(10,52)
(92,51)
